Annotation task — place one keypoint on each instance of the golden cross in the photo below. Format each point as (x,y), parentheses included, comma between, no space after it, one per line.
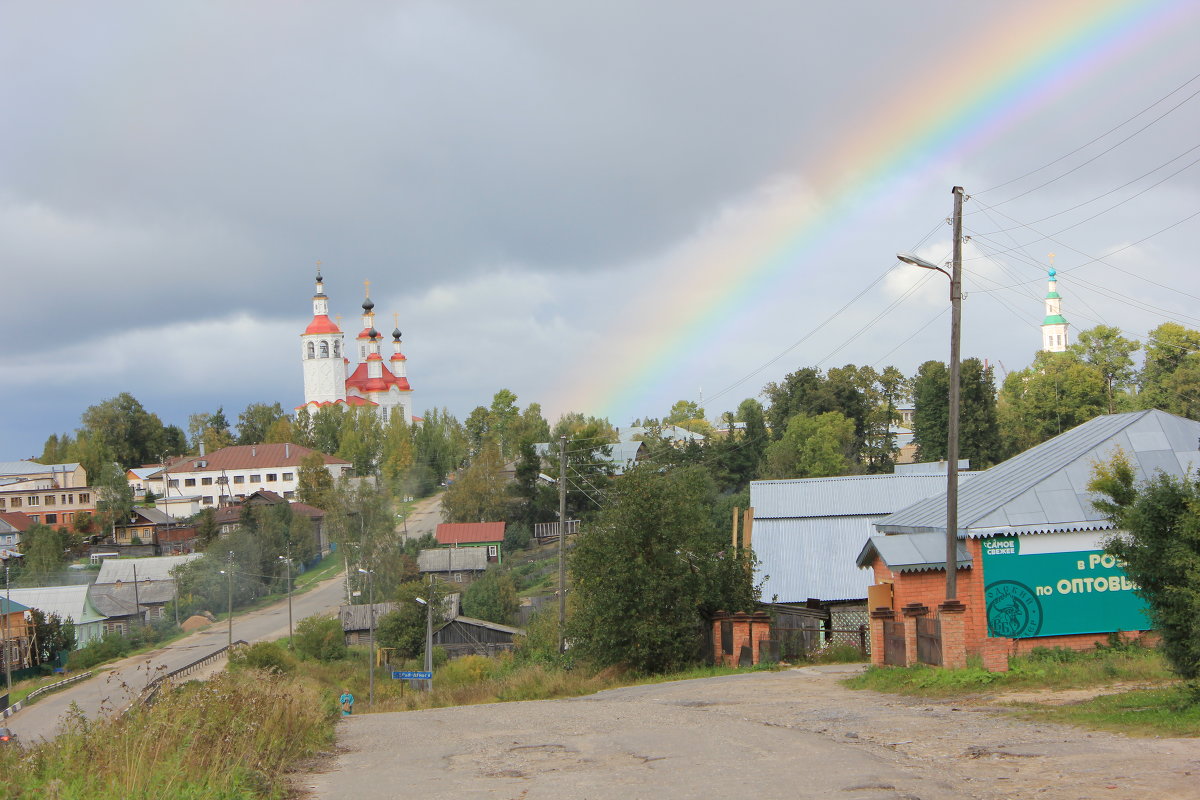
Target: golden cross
(1052,259)
(367,284)
(338,317)
(396,318)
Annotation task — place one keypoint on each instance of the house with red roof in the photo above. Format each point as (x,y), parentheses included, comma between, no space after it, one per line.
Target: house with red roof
(473,534)
(330,378)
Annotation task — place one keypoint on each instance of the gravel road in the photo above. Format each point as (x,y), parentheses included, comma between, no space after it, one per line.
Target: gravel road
(793,734)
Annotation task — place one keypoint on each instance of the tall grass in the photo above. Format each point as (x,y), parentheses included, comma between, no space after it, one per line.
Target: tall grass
(232,737)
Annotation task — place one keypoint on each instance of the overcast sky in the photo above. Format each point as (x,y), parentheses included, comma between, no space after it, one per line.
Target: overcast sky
(603,207)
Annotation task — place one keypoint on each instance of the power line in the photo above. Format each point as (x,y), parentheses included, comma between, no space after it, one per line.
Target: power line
(1098,138)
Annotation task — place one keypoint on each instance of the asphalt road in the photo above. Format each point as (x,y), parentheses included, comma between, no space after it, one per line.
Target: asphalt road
(114,686)
(424,518)
(796,734)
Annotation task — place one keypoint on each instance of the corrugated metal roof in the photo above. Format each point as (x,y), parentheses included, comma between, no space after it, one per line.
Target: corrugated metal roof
(804,559)
(1044,489)
(69,602)
(358,618)
(850,495)
(9,468)
(483,623)
(148,569)
(915,552)
(445,559)
(470,532)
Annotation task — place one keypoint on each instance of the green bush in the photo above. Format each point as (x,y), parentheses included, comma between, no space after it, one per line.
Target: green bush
(321,639)
(267,656)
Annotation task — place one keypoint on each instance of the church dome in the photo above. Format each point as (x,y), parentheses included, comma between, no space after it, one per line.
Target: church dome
(396,334)
(367,304)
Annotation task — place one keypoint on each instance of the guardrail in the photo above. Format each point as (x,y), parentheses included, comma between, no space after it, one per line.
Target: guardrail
(147,695)
(17,706)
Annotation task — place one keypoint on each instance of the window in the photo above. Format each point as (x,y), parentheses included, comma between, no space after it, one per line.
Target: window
(206,500)
(324,349)
(493,551)
(49,500)
(272,477)
(173,483)
(289,495)
(256,478)
(239,478)
(312,350)
(51,518)
(34,500)
(33,517)
(16,502)
(206,481)
(3,502)
(222,480)
(68,517)
(458,577)
(189,481)
(337,349)
(287,476)
(85,497)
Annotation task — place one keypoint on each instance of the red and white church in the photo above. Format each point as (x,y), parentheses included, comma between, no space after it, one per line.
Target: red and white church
(331,379)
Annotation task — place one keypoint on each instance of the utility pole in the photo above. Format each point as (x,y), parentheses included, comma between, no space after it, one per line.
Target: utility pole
(429,635)
(137,603)
(955,378)
(288,560)
(7,635)
(562,540)
(229,597)
(371,631)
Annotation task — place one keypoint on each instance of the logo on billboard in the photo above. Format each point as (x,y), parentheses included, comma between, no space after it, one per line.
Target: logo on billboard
(1013,610)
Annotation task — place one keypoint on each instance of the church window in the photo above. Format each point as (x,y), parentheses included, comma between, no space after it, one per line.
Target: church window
(312,350)
(337,349)
(324,349)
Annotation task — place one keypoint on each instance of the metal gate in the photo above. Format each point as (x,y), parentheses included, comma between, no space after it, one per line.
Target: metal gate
(929,640)
(893,644)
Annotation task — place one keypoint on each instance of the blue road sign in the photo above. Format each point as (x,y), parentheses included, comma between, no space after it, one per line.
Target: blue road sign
(412,676)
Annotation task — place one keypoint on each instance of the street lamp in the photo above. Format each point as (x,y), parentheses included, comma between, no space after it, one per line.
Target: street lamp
(428,634)
(228,573)
(955,276)
(371,629)
(287,560)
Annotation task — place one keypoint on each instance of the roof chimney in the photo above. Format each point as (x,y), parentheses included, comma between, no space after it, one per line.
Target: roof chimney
(287,450)
(202,448)
(253,452)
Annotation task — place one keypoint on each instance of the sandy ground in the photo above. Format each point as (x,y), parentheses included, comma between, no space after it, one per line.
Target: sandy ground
(792,734)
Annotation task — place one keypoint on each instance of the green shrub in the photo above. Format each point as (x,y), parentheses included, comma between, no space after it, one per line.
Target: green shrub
(320,638)
(267,656)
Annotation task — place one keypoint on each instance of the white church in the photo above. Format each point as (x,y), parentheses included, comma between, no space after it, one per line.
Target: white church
(1054,326)
(331,379)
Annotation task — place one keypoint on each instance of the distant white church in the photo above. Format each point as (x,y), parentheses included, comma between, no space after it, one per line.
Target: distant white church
(331,379)
(1054,326)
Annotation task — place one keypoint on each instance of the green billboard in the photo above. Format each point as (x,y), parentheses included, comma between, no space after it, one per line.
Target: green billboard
(1050,585)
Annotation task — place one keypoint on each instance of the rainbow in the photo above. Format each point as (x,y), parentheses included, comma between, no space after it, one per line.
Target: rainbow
(1019,66)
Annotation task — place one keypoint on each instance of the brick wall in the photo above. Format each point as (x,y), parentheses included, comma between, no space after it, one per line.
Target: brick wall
(929,589)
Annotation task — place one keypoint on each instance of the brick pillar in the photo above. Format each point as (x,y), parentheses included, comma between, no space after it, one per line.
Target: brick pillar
(758,628)
(878,617)
(911,612)
(995,654)
(954,644)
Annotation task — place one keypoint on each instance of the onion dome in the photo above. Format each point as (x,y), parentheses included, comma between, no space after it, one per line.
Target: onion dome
(368,304)
(396,334)
(374,334)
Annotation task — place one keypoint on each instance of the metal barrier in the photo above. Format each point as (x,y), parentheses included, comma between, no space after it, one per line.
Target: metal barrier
(17,706)
(147,695)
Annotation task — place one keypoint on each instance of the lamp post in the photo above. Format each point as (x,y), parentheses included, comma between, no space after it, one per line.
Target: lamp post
(287,560)
(7,614)
(955,276)
(428,634)
(228,573)
(371,630)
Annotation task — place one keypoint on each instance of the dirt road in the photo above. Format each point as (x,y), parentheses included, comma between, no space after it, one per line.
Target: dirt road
(793,734)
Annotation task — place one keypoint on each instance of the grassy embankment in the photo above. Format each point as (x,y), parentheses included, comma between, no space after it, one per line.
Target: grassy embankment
(1126,688)
(232,737)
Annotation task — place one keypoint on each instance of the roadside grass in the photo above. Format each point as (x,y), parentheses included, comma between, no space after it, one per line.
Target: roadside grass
(1043,669)
(1159,705)
(470,680)
(326,568)
(232,737)
(1166,711)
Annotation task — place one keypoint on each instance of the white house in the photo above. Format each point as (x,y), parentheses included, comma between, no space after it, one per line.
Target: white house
(232,473)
